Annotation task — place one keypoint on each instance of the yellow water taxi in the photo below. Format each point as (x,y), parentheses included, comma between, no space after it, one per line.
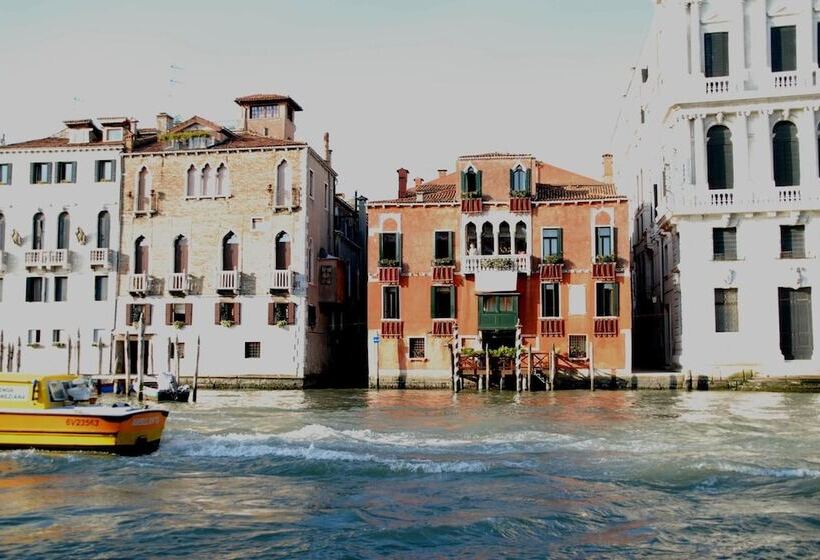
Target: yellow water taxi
(40,411)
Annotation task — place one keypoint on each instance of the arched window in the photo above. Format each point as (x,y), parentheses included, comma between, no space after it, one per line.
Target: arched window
(471,181)
(518,179)
(283,186)
(180,254)
(719,163)
(230,252)
(2,232)
(471,239)
(222,186)
(504,239)
(63,230)
(282,251)
(103,230)
(141,255)
(143,189)
(207,181)
(38,226)
(190,182)
(487,239)
(785,155)
(520,238)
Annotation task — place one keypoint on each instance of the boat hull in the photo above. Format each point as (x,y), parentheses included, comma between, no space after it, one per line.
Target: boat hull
(126,432)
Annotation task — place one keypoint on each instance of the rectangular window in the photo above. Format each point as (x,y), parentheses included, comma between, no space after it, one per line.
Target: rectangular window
(60,288)
(506,304)
(577,347)
(176,346)
(443,247)
(784,48)
(228,312)
(34,337)
(5,173)
(443,302)
(606,299)
(327,196)
(792,242)
(113,135)
(389,249)
(34,289)
(604,246)
(101,288)
(265,112)
(253,350)
(58,336)
(67,172)
(416,344)
(178,313)
(311,318)
(310,183)
(550,300)
(644,75)
(139,310)
(40,172)
(716,54)
(724,244)
(552,243)
(726,310)
(390,302)
(99,336)
(104,170)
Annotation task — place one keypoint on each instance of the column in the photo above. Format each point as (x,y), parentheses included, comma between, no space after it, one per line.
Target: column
(807,135)
(741,152)
(758,43)
(761,153)
(696,66)
(805,43)
(701,180)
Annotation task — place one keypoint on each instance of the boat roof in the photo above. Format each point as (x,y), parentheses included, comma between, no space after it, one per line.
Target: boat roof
(29,377)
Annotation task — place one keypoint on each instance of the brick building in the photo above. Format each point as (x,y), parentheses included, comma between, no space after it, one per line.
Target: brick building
(506,251)
(227,237)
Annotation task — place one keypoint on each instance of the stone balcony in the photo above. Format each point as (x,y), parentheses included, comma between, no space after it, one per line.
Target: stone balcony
(100,258)
(496,273)
(46,258)
(281,280)
(703,201)
(772,83)
(228,282)
(138,284)
(179,283)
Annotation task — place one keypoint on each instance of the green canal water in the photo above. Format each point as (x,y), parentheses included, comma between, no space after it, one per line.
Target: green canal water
(400,474)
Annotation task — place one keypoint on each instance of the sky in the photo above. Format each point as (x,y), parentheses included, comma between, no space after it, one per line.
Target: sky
(395,83)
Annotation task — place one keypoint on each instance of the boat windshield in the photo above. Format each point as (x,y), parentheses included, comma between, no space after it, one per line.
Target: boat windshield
(56,391)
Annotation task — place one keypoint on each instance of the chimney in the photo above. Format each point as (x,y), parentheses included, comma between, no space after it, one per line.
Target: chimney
(441,173)
(419,181)
(328,151)
(609,176)
(403,173)
(164,122)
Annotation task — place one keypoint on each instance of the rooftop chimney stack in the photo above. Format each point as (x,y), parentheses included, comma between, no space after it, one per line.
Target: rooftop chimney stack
(441,173)
(403,173)
(609,175)
(328,151)
(419,181)
(164,122)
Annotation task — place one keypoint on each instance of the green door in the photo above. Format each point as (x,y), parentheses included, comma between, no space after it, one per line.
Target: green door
(497,312)
(796,335)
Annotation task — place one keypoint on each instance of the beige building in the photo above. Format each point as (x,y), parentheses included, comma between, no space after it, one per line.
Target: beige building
(226,239)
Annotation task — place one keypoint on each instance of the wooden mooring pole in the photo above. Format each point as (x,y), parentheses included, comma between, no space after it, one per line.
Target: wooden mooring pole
(196,370)
(591,368)
(127,357)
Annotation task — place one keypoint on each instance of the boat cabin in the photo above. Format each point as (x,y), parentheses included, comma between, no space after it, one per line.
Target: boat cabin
(21,390)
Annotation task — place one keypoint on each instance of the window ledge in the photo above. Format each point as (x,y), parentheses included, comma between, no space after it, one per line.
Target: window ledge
(418,359)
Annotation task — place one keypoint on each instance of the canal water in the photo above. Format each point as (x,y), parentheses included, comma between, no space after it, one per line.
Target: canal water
(400,474)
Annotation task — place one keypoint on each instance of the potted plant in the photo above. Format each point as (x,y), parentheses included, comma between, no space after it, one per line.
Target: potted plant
(520,194)
(500,264)
(554,259)
(388,263)
(58,344)
(179,324)
(281,323)
(446,261)
(227,323)
(470,195)
(605,259)
(471,353)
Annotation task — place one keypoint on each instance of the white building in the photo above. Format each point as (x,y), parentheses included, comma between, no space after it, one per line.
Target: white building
(59,230)
(718,142)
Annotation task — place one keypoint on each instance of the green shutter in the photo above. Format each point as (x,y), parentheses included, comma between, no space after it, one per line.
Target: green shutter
(381,246)
(614,241)
(452,302)
(74,172)
(512,179)
(432,302)
(398,248)
(478,181)
(529,180)
(450,240)
(561,242)
(463,181)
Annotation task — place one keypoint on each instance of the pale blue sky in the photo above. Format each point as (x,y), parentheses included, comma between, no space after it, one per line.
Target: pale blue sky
(396,83)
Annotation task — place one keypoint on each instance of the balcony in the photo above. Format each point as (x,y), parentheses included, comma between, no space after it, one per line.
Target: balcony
(521,205)
(552,327)
(389,274)
(520,264)
(606,326)
(147,205)
(705,201)
(100,258)
(228,282)
(472,205)
(392,328)
(552,272)
(786,80)
(718,86)
(604,271)
(179,283)
(281,280)
(443,274)
(138,284)
(444,327)
(44,258)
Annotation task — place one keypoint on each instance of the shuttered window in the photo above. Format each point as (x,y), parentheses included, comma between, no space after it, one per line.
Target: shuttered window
(606,299)
(716,54)
(724,244)
(604,245)
(784,48)
(443,247)
(552,243)
(792,242)
(726,319)
(67,172)
(390,303)
(389,249)
(719,162)
(786,155)
(550,300)
(443,302)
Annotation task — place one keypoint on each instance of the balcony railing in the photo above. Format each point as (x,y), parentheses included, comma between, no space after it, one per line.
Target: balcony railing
(392,328)
(472,205)
(604,271)
(552,326)
(479,263)
(443,274)
(179,283)
(281,280)
(552,272)
(138,284)
(444,327)
(228,281)
(606,326)
(786,80)
(46,258)
(521,204)
(100,258)
(718,86)
(389,274)
(729,200)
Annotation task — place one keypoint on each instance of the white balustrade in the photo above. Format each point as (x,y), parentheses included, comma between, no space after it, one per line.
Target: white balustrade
(138,283)
(479,263)
(228,281)
(718,86)
(100,258)
(784,80)
(179,282)
(281,280)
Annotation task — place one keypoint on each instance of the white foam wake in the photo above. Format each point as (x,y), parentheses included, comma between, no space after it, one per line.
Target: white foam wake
(759,471)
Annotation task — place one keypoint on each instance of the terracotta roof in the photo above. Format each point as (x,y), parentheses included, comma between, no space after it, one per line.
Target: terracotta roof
(440,189)
(55,142)
(267,97)
(552,175)
(237,141)
(200,121)
(546,193)
(494,155)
